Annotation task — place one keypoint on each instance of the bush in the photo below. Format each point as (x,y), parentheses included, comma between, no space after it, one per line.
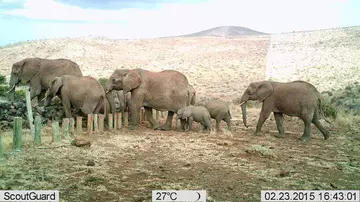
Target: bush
(3,90)
(2,79)
(19,94)
(329,110)
(103,81)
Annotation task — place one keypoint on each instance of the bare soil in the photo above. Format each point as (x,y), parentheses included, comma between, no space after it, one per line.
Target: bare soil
(229,166)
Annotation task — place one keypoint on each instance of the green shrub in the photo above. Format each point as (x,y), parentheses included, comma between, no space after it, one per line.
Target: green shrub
(3,90)
(103,81)
(329,110)
(20,94)
(2,79)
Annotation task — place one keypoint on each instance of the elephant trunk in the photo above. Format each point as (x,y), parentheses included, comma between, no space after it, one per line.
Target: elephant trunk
(244,98)
(14,80)
(243,109)
(110,98)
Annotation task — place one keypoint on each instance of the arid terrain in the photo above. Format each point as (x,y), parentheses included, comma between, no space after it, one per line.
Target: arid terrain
(231,166)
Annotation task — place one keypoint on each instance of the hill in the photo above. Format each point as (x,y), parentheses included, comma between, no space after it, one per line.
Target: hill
(225,31)
(216,66)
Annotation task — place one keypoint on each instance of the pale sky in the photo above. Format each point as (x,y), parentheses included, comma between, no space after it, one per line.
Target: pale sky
(22,20)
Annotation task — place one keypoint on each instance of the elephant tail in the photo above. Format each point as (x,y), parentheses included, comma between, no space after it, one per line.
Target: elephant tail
(321,112)
(229,113)
(100,103)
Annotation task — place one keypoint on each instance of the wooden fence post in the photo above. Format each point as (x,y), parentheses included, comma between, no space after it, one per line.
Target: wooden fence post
(79,125)
(101,122)
(55,126)
(119,122)
(17,134)
(2,157)
(65,127)
(37,137)
(126,119)
(29,111)
(90,123)
(72,126)
(115,119)
(96,122)
(110,122)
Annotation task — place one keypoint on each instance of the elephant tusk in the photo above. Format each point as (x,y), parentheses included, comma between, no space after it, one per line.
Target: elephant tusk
(12,88)
(242,102)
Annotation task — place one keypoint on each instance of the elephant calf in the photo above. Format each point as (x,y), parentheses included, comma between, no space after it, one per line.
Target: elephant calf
(218,110)
(195,113)
(84,93)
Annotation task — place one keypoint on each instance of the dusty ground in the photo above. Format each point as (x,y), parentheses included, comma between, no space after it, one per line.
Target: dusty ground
(229,166)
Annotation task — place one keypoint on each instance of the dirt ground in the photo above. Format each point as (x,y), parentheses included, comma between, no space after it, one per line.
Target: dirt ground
(229,166)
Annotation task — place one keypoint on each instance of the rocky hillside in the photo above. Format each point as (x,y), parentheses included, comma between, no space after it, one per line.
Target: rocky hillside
(217,66)
(330,59)
(225,31)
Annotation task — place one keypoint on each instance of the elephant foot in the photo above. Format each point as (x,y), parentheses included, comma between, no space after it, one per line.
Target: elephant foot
(279,135)
(165,127)
(133,127)
(326,136)
(156,127)
(305,138)
(257,133)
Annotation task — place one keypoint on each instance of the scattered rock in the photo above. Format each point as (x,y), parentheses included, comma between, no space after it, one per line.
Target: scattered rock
(81,141)
(90,163)
(187,165)
(284,173)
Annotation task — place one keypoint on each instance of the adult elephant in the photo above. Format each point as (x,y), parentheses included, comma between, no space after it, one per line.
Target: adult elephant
(38,73)
(297,98)
(84,93)
(167,90)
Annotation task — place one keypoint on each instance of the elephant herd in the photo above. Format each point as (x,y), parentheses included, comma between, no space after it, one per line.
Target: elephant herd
(167,90)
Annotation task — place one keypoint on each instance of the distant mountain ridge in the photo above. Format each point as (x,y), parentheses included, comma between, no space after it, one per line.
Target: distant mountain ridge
(225,31)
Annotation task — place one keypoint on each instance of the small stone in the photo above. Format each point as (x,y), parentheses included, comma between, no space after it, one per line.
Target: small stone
(90,163)
(187,165)
(81,142)
(284,173)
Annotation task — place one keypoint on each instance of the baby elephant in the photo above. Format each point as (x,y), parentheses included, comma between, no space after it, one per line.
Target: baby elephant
(195,113)
(218,110)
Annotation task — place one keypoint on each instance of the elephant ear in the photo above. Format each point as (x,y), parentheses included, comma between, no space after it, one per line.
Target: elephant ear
(55,85)
(131,81)
(264,90)
(187,113)
(29,68)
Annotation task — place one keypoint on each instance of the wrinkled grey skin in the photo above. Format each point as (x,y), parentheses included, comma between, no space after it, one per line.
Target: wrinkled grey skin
(219,110)
(195,113)
(83,93)
(38,72)
(297,98)
(163,91)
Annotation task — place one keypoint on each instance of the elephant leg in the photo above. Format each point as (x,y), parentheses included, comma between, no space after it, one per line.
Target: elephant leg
(66,105)
(217,124)
(150,118)
(168,123)
(228,122)
(317,123)
(190,122)
(183,124)
(279,118)
(307,128)
(264,114)
(34,92)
